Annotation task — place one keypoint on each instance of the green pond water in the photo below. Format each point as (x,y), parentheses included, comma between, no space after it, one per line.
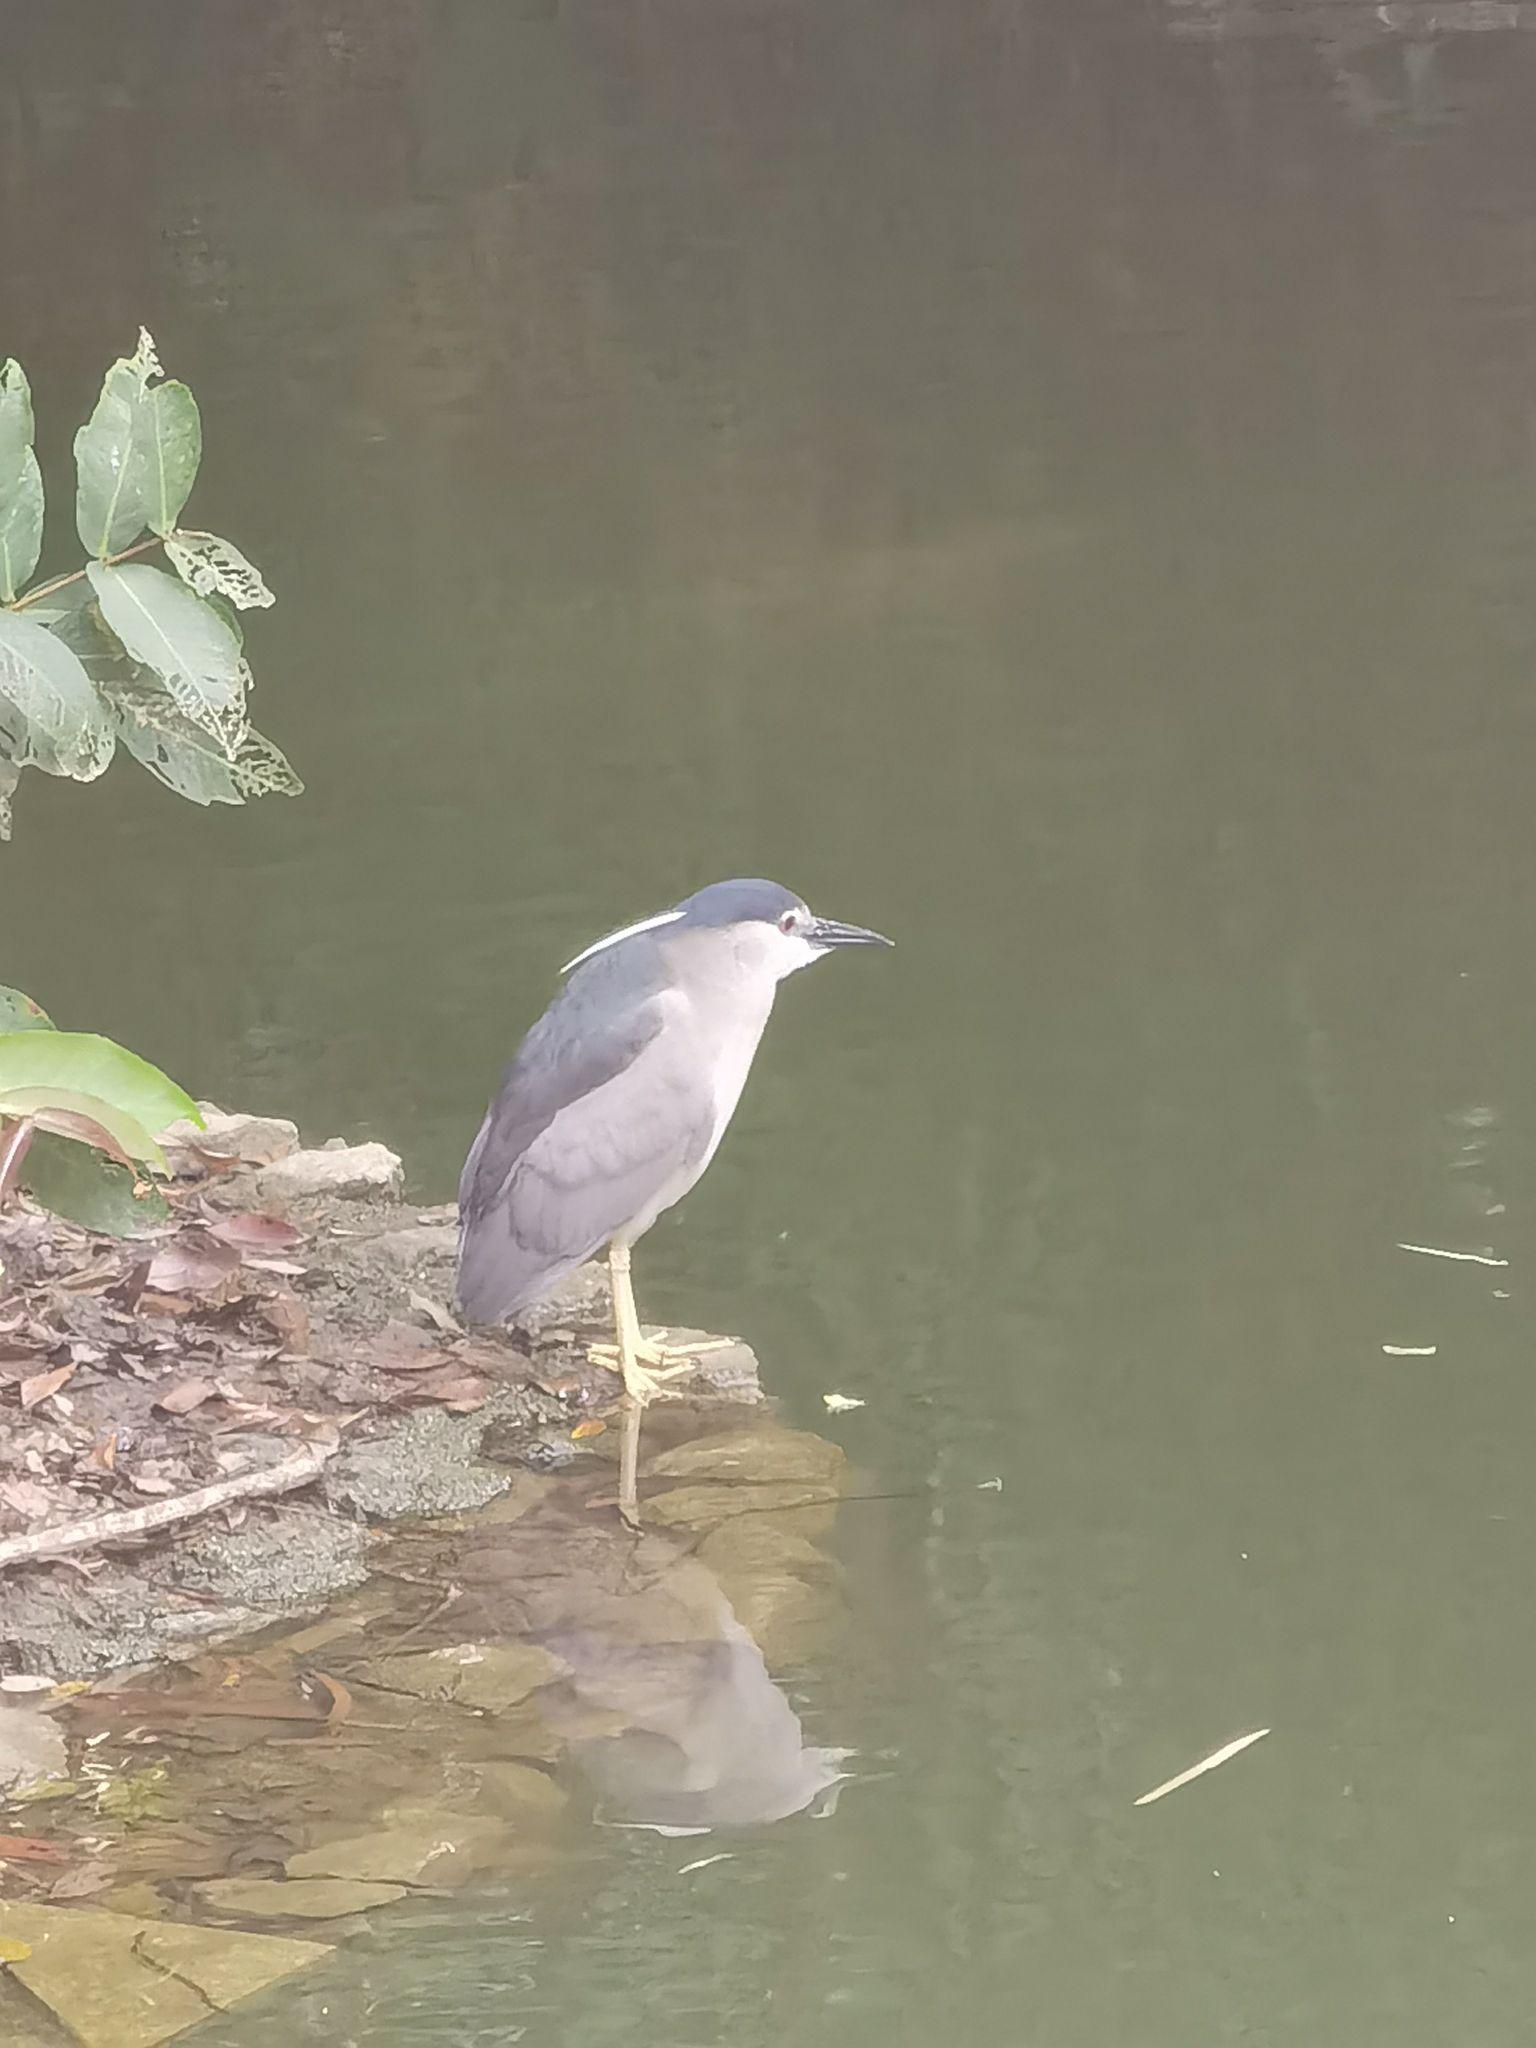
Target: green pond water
(1054,480)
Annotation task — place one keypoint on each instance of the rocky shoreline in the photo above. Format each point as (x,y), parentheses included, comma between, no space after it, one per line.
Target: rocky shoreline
(291,1298)
(228,1741)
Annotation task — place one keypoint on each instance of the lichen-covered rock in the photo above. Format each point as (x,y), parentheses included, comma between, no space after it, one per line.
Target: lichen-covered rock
(254,1140)
(425,1466)
(340,1170)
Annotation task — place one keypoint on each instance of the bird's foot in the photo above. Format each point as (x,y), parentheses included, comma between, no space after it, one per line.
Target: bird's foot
(652,1362)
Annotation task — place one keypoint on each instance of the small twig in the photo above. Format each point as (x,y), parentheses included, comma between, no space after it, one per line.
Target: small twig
(162,1514)
(77,575)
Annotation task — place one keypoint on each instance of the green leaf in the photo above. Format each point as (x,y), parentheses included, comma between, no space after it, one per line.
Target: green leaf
(86,1188)
(210,564)
(186,643)
(21,484)
(20,1013)
(51,716)
(136,457)
(79,1063)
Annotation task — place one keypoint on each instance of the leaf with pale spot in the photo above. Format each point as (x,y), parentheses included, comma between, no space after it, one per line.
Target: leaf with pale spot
(209,564)
(20,1013)
(51,714)
(190,648)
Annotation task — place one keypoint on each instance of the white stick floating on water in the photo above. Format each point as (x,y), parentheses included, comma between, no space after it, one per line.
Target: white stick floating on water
(1198,1770)
(1435,1251)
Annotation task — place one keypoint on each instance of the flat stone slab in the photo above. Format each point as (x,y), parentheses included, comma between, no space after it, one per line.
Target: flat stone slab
(434,1850)
(117,1982)
(487,1676)
(310,1898)
(763,1456)
(333,1170)
(254,1140)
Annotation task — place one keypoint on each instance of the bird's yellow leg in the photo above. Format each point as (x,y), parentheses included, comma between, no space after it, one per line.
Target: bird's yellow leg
(644,1362)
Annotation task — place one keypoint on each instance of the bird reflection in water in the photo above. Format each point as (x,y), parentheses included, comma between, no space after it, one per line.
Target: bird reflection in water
(657,1692)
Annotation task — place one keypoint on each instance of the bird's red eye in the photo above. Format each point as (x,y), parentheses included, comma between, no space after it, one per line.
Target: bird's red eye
(787,922)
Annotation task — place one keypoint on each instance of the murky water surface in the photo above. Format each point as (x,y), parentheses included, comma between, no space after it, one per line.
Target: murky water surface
(1053,481)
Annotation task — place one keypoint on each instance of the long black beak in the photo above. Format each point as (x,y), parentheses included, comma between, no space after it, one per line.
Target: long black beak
(826,931)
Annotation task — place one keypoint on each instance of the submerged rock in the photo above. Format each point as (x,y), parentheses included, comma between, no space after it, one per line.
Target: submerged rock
(757,1455)
(116,1982)
(311,1898)
(437,1848)
(520,1794)
(704,1506)
(487,1676)
(31,1747)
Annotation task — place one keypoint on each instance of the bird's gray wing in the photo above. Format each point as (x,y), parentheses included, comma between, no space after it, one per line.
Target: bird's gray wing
(598,1116)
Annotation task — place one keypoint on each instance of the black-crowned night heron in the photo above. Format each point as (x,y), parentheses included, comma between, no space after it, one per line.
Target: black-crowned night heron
(616,1102)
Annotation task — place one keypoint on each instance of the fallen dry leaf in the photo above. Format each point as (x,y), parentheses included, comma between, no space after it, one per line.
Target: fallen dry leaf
(250,1232)
(167,1304)
(452,1389)
(206,1160)
(184,1396)
(131,1286)
(150,1482)
(102,1456)
(93,1279)
(290,1318)
(591,1427)
(435,1314)
(30,1849)
(28,1498)
(339,1696)
(191,1264)
(42,1384)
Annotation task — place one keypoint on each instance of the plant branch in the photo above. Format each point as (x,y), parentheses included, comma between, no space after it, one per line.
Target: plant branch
(293,1471)
(141,547)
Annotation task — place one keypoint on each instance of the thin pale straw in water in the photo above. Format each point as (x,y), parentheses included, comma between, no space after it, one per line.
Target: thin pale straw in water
(1198,1770)
(1436,1251)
